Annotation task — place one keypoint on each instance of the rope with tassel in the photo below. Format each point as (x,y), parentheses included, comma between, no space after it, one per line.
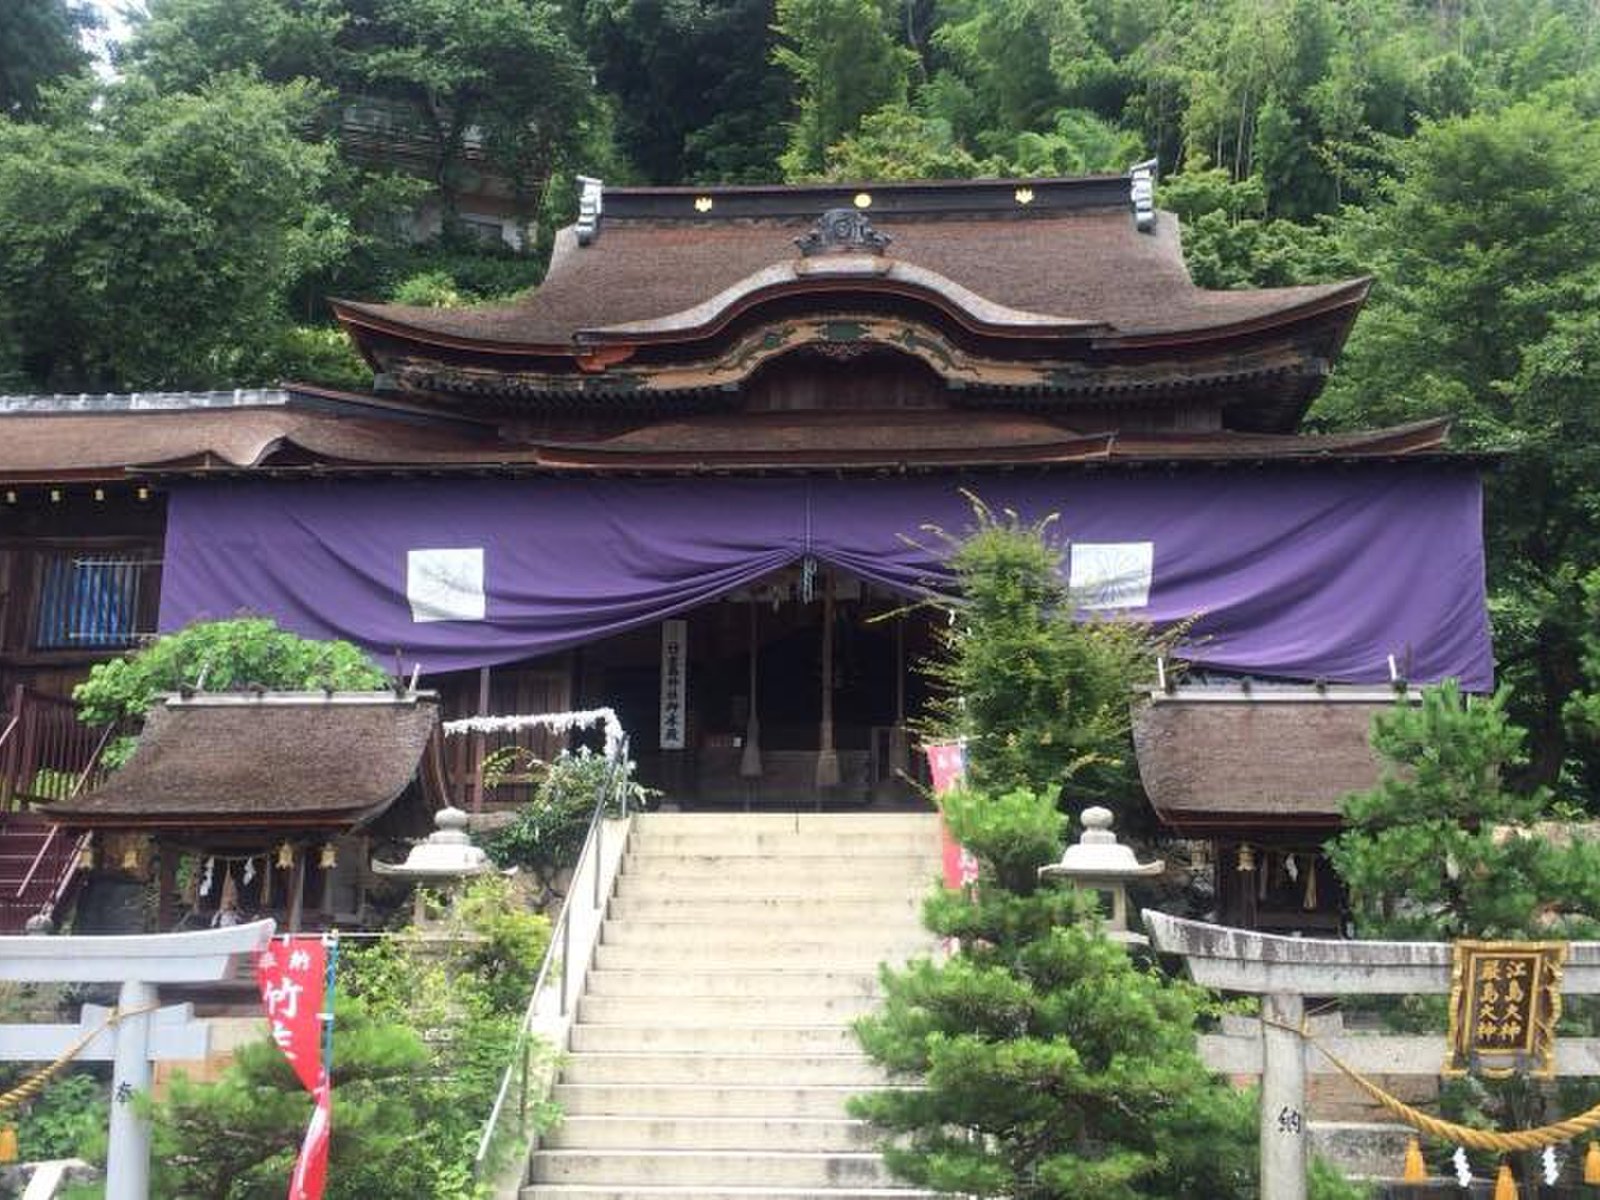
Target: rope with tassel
(35,1083)
(1556,1133)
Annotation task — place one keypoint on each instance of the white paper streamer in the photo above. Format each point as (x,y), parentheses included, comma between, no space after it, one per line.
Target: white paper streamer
(205,876)
(1552,1165)
(249,870)
(562,722)
(1463,1167)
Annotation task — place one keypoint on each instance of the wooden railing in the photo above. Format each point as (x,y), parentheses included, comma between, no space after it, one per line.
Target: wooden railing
(46,753)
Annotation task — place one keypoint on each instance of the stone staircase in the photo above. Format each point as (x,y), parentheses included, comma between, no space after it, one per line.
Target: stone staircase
(712,1054)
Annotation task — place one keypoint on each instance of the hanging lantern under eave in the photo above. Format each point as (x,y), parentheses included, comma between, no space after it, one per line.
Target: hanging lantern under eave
(86,855)
(329,858)
(285,856)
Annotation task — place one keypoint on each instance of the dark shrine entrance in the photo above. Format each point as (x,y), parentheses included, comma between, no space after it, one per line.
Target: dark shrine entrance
(795,692)
(816,715)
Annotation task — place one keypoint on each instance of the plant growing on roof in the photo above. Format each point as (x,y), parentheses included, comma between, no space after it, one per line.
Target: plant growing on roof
(218,655)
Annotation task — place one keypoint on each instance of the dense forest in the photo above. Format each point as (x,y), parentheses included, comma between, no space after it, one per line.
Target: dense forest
(181,223)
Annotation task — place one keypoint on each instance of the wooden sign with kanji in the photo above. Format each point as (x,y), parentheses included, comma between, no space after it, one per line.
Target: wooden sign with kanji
(1505,1000)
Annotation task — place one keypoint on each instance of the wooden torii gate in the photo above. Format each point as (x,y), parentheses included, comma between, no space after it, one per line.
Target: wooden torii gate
(137,1031)
(1282,971)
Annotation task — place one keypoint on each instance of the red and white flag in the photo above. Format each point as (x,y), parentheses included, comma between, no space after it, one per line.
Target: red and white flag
(292,974)
(947,764)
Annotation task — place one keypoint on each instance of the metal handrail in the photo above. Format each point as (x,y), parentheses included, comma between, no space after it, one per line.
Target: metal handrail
(592,858)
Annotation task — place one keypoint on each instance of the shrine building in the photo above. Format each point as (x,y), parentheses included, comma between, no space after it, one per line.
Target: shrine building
(692,476)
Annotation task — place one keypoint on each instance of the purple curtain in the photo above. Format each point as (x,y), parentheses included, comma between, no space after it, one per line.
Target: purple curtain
(1296,572)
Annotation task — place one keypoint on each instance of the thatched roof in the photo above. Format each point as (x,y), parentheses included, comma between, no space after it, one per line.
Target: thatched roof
(1233,760)
(274,760)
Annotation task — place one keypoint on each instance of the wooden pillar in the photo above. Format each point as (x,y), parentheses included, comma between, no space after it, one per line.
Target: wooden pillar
(750,759)
(478,741)
(827,756)
(166,887)
(297,890)
(899,751)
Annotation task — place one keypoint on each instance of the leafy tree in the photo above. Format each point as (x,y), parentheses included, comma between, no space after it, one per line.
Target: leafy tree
(699,98)
(182,45)
(845,63)
(498,76)
(897,143)
(1040,697)
(218,655)
(120,206)
(1484,308)
(39,42)
(1053,1064)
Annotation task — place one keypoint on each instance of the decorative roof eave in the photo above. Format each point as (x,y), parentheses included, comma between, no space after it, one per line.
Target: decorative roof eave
(831,274)
(598,457)
(1293,353)
(1342,302)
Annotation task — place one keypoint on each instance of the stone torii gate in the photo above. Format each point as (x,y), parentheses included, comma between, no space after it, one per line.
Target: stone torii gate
(138,1030)
(1282,971)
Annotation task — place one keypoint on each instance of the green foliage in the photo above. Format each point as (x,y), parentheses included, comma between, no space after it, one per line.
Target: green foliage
(1054,1065)
(236,1139)
(1443,848)
(423,1033)
(1040,694)
(1484,308)
(68,1120)
(897,143)
(547,834)
(844,62)
(121,205)
(223,655)
(39,42)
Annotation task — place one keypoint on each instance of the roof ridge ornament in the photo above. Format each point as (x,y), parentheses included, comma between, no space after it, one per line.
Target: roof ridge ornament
(843,231)
(589,202)
(1142,178)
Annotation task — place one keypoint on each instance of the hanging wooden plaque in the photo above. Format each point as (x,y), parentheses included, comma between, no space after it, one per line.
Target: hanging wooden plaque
(1505,1000)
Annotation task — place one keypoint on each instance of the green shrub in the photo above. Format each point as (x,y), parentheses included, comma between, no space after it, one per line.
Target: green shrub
(548,832)
(220,655)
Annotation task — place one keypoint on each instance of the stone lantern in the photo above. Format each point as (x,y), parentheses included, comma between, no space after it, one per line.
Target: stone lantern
(1099,863)
(445,857)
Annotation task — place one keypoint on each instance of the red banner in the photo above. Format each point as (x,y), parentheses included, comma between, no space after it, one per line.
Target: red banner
(947,765)
(292,974)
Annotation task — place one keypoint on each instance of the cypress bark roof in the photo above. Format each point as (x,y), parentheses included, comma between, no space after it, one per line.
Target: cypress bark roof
(1232,760)
(301,760)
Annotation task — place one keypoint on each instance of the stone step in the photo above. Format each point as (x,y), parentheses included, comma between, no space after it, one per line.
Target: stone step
(778,887)
(709,1168)
(575,1191)
(797,1070)
(714,1039)
(820,911)
(705,1133)
(869,925)
(813,869)
(650,842)
(734,1010)
(758,984)
(823,956)
(703,1100)
(852,824)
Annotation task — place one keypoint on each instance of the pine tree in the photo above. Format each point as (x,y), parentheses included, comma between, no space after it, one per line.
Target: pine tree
(1054,1065)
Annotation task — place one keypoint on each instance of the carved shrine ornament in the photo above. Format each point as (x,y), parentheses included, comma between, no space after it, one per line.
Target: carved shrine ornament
(843,231)
(1505,1000)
